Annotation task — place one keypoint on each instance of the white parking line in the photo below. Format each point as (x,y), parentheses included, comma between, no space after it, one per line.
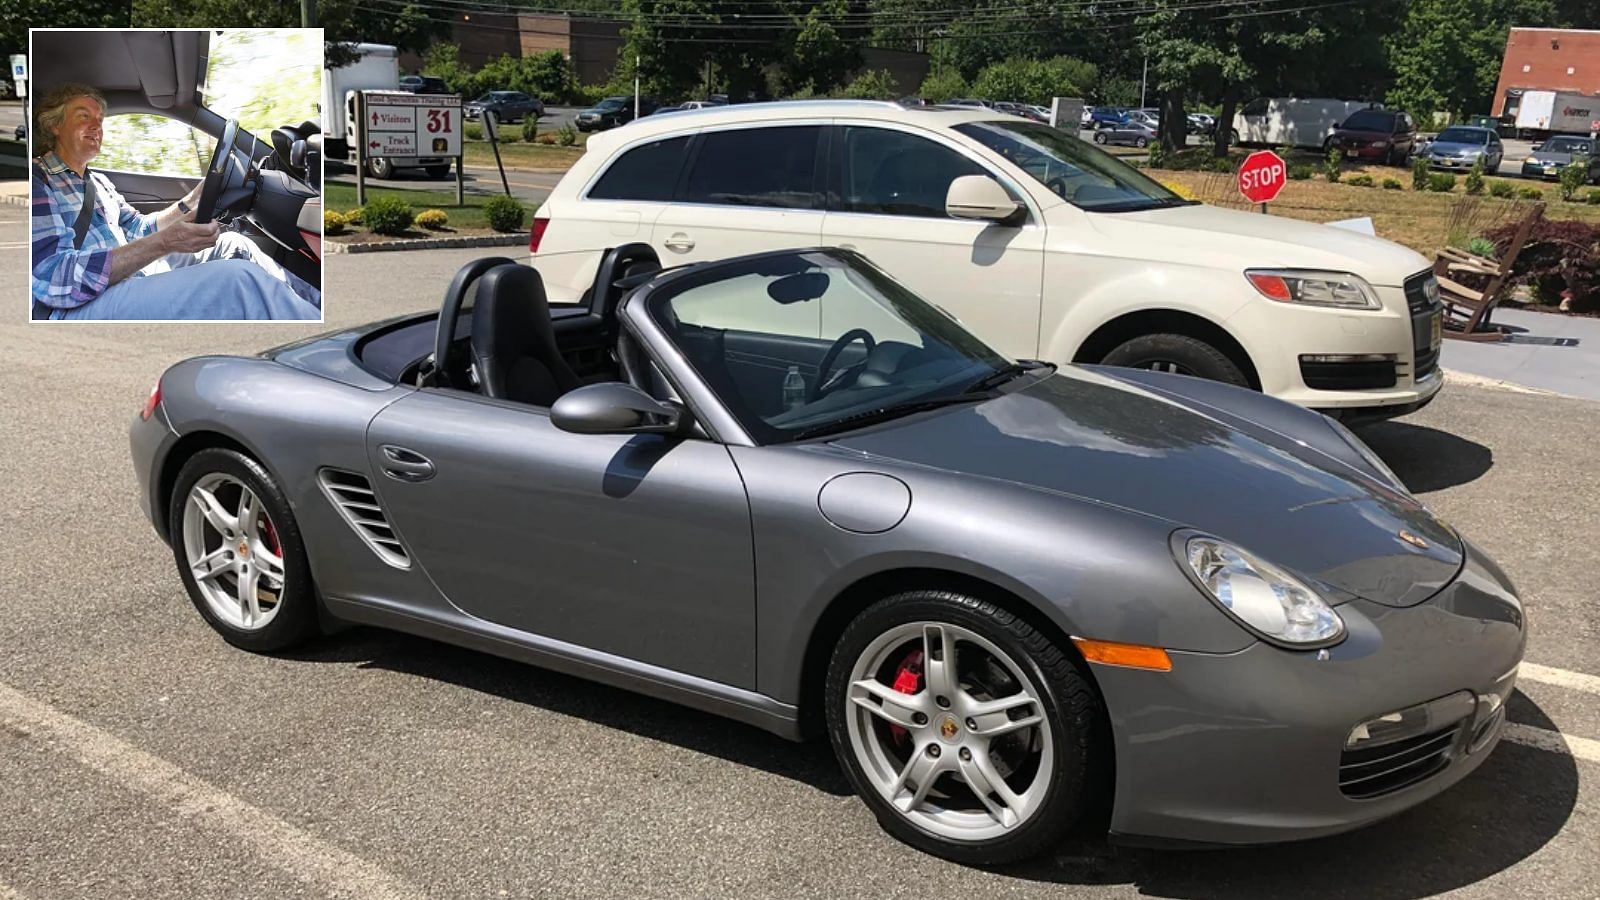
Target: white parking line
(1553,741)
(1559,677)
(327,869)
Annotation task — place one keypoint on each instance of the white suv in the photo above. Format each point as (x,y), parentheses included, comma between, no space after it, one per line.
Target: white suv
(1045,246)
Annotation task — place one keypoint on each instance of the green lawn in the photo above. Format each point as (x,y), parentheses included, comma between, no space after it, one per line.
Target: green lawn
(525,156)
(470,219)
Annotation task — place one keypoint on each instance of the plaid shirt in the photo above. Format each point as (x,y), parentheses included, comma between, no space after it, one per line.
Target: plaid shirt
(65,276)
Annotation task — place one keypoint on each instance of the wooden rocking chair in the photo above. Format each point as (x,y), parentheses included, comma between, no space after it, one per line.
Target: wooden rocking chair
(1466,310)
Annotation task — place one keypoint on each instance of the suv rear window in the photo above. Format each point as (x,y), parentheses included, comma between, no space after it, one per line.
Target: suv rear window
(1370,120)
(774,166)
(647,172)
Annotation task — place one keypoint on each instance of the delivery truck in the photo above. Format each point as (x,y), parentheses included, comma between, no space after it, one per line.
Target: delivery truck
(1540,114)
(375,68)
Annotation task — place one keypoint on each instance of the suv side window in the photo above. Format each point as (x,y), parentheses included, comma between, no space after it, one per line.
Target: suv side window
(770,166)
(1256,107)
(897,174)
(647,172)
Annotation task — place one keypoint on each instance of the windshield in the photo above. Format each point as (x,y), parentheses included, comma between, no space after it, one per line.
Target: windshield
(802,344)
(1566,145)
(1072,169)
(1463,136)
(612,103)
(1368,120)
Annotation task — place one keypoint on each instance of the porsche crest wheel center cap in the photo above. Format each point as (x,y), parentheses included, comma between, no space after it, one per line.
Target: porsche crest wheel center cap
(244,548)
(949,728)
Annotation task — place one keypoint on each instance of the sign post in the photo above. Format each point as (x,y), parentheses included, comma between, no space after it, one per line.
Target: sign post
(398,124)
(361,152)
(492,129)
(19,73)
(1261,176)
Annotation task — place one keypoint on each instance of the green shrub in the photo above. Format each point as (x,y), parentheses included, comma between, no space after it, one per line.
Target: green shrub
(387,215)
(353,216)
(566,136)
(1419,173)
(1502,189)
(1158,155)
(473,131)
(1441,182)
(1474,182)
(333,222)
(1300,172)
(1573,176)
(508,136)
(1392,184)
(530,128)
(1482,246)
(505,213)
(1360,180)
(1530,193)
(433,219)
(1333,165)
(1593,197)
(873,84)
(1220,164)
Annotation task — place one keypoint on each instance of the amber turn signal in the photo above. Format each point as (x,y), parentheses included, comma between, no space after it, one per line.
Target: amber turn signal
(1133,656)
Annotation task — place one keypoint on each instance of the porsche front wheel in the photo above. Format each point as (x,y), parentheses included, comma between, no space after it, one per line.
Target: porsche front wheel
(239,553)
(968,733)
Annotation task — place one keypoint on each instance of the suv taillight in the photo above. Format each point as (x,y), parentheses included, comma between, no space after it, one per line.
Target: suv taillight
(540,226)
(151,403)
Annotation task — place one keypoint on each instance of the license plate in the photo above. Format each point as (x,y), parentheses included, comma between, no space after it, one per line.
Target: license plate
(1436,335)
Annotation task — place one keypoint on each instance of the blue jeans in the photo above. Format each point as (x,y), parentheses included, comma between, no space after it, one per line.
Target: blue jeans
(234,279)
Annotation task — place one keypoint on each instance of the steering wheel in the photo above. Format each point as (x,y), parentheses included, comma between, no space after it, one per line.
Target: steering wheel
(216,173)
(828,383)
(1059,186)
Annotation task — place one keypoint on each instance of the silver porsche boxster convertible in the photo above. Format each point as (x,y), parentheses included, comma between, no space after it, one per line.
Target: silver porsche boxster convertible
(784,489)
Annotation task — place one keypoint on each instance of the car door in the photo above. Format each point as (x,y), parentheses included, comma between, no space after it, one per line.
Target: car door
(1497,152)
(886,199)
(745,189)
(635,546)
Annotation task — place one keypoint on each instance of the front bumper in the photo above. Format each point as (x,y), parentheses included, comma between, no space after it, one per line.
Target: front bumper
(1529,170)
(149,442)
(1249,747)
(1453,163)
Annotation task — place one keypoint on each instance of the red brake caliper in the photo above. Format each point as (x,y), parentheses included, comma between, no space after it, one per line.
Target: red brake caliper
(907,680)
(272,536)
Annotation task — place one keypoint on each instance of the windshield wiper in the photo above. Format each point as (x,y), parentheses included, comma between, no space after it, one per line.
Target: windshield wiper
(1003,374)
(885,413)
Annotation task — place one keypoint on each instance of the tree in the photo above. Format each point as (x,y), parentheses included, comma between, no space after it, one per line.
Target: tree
(873,84)
(942,85)
(818,56)
(16,16)
(1035,81)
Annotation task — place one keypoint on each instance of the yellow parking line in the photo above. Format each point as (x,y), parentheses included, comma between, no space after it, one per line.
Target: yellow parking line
(1553,741)
(1577,681)
(325,868)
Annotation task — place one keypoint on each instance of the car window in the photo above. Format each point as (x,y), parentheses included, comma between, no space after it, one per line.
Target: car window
(154,145)
(1256,107)
(647,172)
(898,174)
(1464,136)
(756,167)
(1073,169)
(1566,145)
(1370,120)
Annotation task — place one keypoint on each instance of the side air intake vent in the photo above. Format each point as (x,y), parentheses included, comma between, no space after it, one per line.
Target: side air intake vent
(353,496)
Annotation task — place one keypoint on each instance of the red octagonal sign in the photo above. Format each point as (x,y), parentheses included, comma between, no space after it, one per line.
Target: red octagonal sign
(1262,176)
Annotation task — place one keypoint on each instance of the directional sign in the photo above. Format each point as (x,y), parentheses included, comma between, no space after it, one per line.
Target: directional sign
(1262,175)
(400,124)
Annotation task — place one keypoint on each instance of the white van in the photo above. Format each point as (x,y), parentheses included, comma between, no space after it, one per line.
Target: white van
(1045,246)
(1291,122)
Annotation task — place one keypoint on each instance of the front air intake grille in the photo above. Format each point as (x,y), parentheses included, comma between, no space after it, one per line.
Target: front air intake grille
(353,496)
(1371,772)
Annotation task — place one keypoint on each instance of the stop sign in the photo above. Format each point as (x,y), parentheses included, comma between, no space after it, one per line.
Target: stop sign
(1262,176)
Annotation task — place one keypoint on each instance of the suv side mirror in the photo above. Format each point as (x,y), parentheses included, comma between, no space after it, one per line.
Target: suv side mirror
(613,407)
(981,197)
(1538,147)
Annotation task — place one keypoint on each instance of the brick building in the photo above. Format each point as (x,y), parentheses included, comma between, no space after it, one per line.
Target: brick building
(1547,59)
(591,44)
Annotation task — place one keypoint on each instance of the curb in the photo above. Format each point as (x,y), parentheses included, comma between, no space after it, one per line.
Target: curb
(1467,378)
(477,240)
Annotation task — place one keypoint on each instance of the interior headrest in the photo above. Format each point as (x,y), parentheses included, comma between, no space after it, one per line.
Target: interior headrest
(456,297)
(510,312)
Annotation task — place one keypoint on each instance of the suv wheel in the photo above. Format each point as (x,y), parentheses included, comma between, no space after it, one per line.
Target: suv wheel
(1179,354)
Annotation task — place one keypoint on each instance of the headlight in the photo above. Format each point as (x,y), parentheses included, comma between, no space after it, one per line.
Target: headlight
(1264,598)
(1380,144)
(1340,289)
(1366,453)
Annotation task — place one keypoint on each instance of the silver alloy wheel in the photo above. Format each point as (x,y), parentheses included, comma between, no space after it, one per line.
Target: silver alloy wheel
(233,552)
(954,758)
(1165,365)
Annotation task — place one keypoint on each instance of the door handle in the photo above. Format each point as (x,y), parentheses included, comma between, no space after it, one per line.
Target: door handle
(679,243)
(405,465)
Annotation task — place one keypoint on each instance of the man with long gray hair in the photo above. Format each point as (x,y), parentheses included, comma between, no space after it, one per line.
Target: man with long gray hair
(132,265)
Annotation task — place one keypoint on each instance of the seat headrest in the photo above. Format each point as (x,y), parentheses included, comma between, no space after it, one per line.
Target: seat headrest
(455,297)
(511,313)
(618,267)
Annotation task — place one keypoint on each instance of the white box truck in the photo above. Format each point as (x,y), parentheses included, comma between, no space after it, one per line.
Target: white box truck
(1293,122)
(376,68)
(1541,114)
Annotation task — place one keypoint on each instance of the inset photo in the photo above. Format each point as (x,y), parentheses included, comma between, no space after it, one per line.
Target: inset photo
(176,174)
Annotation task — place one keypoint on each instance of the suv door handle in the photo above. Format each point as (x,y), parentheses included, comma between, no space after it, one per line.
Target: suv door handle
(679,243)
(405,465)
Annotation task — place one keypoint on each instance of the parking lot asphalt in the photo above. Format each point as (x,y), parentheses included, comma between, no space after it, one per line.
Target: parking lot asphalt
(140,756)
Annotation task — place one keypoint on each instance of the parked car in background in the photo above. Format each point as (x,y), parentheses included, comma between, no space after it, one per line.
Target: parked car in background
(969,101)
(686,106)
(915,101)
(1041,243)
(1107,116)
(1461,146)
(22,132)
(1037,113)
(611,112)
(1133,133)
(423,84)
(1145,118)
(1291,121)
(507,106)
(1387,136)
(1202,123)
(1549,158)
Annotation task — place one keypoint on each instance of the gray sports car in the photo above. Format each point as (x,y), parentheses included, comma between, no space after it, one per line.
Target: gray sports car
(784,489)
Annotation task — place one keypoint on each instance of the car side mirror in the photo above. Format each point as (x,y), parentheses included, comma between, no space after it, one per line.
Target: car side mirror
(614,407)
(1537,147)
(981,197)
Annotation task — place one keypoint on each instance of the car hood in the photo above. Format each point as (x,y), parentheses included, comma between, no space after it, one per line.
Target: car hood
(1084,435)
(1452,148)
(1213,236)
(1546,156)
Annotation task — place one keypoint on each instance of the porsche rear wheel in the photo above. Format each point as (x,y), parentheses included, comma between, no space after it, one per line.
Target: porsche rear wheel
(239,553)
(968,733)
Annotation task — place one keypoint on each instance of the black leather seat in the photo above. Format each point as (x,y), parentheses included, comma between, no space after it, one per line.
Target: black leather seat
(513,343)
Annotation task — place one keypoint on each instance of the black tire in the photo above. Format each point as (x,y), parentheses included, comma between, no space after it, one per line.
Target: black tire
(438,173)
(296,618)
(1191,356)
(380,168)
(1099,137)
(1081,780)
